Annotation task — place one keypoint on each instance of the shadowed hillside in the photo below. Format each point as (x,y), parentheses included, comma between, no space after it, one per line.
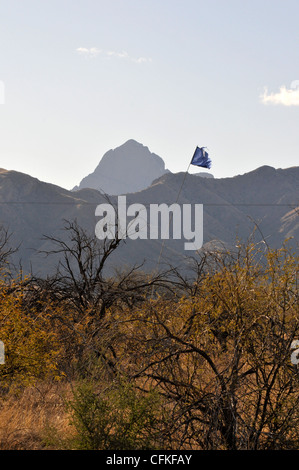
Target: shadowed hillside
(265,197)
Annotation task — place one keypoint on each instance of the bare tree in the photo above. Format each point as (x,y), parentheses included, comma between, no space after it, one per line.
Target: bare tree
(83,277)
(6,252)
(90,295)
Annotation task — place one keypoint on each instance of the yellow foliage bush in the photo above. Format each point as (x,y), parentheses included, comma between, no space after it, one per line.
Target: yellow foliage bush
(31,346)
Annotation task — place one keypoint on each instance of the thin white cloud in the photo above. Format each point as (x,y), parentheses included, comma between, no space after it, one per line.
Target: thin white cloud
(94,52)
(285,96)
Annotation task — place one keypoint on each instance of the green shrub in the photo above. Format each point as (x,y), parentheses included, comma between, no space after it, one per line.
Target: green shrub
(117,418)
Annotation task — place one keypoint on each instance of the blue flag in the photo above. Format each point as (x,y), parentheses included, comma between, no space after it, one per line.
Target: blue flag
(201,158)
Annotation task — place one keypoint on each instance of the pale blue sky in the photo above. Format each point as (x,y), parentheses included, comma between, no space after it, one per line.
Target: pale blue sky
(82,77)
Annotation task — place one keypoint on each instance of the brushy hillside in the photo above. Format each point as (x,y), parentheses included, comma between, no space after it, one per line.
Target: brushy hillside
(136,361)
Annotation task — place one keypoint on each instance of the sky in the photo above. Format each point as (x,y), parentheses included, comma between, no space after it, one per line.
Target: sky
(78,78)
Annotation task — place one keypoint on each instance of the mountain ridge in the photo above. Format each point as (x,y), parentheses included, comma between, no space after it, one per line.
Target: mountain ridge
(267,197)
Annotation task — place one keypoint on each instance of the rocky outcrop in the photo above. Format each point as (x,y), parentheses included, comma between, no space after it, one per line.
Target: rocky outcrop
(126,169)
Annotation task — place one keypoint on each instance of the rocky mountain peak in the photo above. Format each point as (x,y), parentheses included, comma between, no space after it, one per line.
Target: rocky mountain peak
(125,169)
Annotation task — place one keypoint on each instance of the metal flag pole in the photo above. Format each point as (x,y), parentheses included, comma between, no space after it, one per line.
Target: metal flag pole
(183,182)
(170,220)
(201,162)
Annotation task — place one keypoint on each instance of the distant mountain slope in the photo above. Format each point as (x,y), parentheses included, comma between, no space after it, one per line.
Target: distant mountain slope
(128,168)
(30,209)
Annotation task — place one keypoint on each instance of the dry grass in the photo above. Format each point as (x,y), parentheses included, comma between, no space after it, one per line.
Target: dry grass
(33,420)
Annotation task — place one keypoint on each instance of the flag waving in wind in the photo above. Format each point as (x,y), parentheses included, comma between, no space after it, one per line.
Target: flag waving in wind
(201,158)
